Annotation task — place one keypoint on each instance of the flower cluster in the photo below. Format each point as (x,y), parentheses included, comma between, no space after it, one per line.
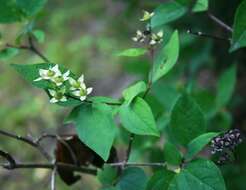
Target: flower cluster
(225,144)
(148,35)
(76,88)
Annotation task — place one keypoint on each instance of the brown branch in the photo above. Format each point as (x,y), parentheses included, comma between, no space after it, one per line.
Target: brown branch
(30,47)
(53,178)
(28,141)
(50,166)
(201,34)
(219,22)
(157,164)
(9,158)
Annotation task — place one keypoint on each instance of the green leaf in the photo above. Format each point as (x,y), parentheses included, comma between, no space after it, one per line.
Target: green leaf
(132,179)
(239,28)
(166,58)
(110,188)
(107,175)
(167,12)
(200,5)
(91,121)
(132,52)
(30,7)
(39,35)
(138,118)
(225,86)
(9,12)
(16,10)
(198,175)
(187,120)
(171,154)
(31,72)
(8,53)
(131,92)
(197,144)
(160,180)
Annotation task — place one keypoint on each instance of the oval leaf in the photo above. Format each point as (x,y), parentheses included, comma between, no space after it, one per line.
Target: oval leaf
(197,144)
(166,58)
(160,180)
(131,92)
(187,120)
(138,118)
(198,175)
(132,179)
(167,12)
(239,28)
(91,120)
(171,154)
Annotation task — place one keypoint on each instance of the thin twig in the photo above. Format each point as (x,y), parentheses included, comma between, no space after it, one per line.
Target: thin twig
(129,148)
(30,47)
(158,164)
(9,158)
(201,34)
(51,167)
(60,139)
(219,22)
(53,178)
(35,50)
(28,141)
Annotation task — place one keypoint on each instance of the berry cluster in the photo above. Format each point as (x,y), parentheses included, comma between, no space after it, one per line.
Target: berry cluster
(225,144)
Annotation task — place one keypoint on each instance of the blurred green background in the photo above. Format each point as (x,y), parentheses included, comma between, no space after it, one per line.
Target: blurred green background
(84,36)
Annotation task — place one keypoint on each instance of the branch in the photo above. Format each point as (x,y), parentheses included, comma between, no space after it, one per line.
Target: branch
(9,158)
(158,164)
(219,22)
(201,34)
(30,47)
(53,178)
(51,166)
(28,141)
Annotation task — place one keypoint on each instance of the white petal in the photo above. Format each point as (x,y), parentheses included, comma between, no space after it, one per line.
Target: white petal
(139,33)
(53,100)
(72,81)
(66,74)
(37,79)
(63,99)
(52,92)
(135,39)
(56,70)
(82,85)
(72,88)
(76,93)
(152,42)
(58,83)
(160,34)
(43,72)
(82,98)
(81,79)
(89,90)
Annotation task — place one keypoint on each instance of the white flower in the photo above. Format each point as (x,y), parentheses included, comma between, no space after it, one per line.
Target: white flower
(82,93)
(77,84)
(140,37)
(146,16)
(156,38)
(57,96)
(58,80)
(47,74)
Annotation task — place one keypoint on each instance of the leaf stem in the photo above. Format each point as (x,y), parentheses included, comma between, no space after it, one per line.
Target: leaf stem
(219,22)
